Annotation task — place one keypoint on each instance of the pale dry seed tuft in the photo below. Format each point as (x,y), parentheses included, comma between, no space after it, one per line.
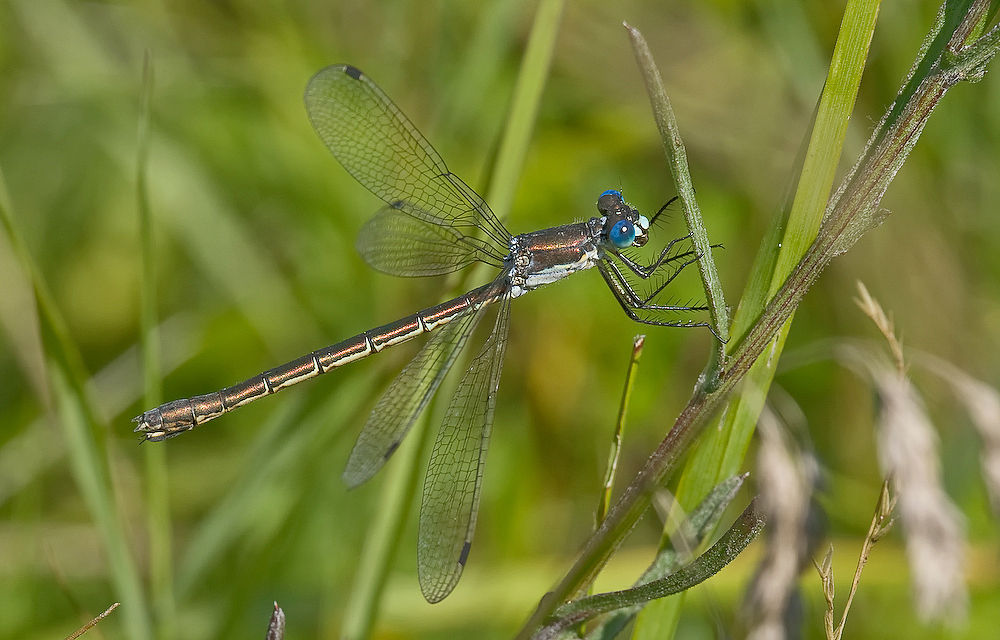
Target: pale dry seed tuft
(785,481)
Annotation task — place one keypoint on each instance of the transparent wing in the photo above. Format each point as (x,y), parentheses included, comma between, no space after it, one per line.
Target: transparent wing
(398,244)
(455,473)
(377,145)
(407,396)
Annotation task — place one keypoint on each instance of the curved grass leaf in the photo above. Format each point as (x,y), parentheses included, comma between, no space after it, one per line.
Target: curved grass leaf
(696,527)
(730,545)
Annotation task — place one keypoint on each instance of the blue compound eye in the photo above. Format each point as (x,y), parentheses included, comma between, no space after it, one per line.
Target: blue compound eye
(612,192)
(622,234)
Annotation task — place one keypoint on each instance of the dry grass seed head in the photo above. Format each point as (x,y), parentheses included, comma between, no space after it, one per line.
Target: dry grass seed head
(785,483)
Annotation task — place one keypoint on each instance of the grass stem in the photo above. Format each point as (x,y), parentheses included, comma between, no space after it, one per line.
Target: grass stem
(155,458)
(673,146)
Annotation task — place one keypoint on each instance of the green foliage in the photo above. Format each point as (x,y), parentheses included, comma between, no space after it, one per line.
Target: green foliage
(251,241)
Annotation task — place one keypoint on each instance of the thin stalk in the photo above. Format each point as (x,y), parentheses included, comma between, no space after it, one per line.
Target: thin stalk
(616,438)
(157,481)
(614,452)
(690,534)
(850,214)
(276,625)
(881,524)
(93,623)
(387,527)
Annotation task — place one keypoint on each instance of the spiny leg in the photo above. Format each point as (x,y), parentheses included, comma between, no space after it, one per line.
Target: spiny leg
(636,301)
(656,215)
(670,278)
(638,311)
(644,271)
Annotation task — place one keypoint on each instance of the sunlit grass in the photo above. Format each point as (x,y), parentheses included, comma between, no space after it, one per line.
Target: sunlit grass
(721,452)
(252,229)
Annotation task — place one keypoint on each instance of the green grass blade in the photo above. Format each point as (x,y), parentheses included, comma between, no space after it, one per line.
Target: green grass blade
(524,107)
(19,318)
(827,139)
(82,431)
(720,453)
(693,532)
(673,146)
(385,531)
(724,551)
(91,478)
(155,458)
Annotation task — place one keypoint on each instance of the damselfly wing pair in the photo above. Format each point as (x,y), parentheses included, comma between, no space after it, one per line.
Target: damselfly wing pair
(433,224)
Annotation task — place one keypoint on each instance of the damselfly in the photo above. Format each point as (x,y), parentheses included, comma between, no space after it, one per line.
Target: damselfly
(435,224)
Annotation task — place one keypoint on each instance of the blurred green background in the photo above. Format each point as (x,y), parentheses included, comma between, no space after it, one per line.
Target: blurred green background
(254,224)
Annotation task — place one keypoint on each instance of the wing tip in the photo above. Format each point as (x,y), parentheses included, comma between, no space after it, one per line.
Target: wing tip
(436,588)
(354,476)
(317,83)
(435,593)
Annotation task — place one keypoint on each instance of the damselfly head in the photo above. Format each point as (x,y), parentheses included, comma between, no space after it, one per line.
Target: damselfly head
(624,226)
(611,203)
